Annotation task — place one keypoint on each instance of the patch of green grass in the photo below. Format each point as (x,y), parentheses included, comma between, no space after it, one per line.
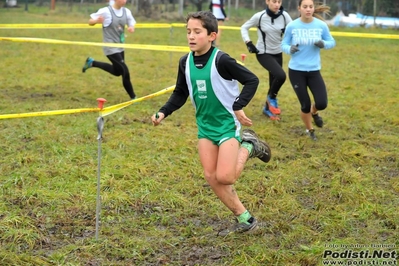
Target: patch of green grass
(341,190)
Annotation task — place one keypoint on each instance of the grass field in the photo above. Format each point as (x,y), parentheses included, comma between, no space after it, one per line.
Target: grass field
(310,198)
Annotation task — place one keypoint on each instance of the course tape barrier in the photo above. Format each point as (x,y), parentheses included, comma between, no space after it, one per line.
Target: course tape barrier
(178,25)
(365,35)
(111,109)
(76,26)
(169,48)
(183,49)
(104,112)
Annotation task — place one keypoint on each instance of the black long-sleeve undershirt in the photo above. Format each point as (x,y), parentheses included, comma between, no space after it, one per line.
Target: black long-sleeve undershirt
(228,69)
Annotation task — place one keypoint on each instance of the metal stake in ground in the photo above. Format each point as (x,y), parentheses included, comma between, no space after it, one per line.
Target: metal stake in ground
(100,127)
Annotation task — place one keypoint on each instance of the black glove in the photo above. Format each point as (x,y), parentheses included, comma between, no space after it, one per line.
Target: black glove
(319,44)
(252,48)
(294,49)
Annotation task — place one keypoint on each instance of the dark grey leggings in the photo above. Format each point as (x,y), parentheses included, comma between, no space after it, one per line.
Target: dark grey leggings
(277,76)
(301,81)
(118,68)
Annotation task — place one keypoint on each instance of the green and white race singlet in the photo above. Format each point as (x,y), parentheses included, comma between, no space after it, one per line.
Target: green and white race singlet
(213,98)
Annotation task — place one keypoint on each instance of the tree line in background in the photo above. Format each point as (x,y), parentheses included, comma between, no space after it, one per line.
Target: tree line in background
(389,8)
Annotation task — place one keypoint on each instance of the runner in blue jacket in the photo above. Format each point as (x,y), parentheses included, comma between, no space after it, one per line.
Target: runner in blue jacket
(303,39)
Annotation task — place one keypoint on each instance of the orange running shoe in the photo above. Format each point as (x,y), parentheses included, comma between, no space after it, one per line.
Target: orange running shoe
(273,105)
(270,114)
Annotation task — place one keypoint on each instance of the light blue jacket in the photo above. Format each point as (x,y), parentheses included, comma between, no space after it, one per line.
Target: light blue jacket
(305,35)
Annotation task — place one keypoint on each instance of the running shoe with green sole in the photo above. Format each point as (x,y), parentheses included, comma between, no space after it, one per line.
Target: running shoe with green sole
(261,149)
(240,227)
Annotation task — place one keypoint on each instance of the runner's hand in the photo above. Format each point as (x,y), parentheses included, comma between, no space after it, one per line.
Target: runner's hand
(244,120)
(294,49)
(319,44)
(252,48)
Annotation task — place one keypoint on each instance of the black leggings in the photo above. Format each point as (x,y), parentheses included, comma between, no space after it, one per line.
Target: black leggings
(301,80)
(273,63)
(118,68)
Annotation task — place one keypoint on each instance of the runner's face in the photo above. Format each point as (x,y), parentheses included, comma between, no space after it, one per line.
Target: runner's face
(120,3)
(274,5)
(198,39)
(306,9)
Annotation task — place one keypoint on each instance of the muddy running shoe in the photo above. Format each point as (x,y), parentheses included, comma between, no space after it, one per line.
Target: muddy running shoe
(273,105)
(240,227)
(261,149)
(270,114)
(317,120)
(88,64)
(311,134)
